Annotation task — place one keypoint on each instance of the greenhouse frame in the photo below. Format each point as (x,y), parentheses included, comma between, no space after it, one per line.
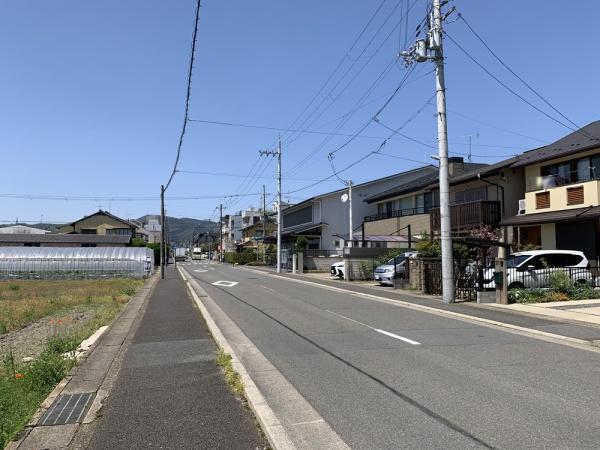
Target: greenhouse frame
(75,262)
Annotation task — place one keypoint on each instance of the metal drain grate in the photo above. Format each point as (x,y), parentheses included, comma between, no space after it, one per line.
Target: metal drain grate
(67,408)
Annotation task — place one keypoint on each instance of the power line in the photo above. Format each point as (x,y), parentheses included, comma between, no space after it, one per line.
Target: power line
(482,67)
(518,77)
(116,199)
(187,96)
(238,175)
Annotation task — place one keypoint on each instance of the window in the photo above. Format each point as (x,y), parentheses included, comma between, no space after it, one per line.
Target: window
(119,231)
(470,195)
(88,244)
(31,244)
(542,200)
(336,244)
(575,195)
(89,231)
(573,171)
(405,203)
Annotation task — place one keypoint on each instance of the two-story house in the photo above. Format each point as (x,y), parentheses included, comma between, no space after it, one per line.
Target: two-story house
(324,219)
(561,205)
(102,223)
(480,194)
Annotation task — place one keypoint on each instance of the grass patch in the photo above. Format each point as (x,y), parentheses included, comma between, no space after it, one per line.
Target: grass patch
(25,301)
(231,376)
(24,386)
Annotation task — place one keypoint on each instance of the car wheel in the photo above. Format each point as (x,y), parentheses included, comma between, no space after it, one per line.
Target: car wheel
(516,285)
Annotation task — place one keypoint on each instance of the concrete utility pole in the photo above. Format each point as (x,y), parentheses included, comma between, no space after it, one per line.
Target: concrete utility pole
(221,233)
(162,231)
(264,224)
(351,234)
(277,153)
(445,224)
(431,49)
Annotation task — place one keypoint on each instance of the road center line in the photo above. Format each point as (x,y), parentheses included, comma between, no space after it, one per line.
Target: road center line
(395,336)
(387,333)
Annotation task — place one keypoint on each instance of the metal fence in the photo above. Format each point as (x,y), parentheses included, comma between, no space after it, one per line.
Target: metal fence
(75,263)
(551,277)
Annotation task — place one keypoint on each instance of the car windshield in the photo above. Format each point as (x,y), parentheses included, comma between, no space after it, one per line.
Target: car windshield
(515,260)
(399,259)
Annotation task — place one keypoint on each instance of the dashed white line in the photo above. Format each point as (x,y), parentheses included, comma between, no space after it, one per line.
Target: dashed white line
(395,336)
(387,333)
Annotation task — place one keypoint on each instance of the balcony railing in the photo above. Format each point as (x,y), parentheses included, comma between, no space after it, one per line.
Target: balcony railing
(397,213)
(468,215)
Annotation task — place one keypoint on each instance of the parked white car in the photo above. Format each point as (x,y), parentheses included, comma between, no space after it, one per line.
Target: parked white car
(532,269)
(337,270)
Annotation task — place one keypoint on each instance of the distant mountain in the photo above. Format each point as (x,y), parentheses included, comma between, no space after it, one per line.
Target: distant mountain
(182,230)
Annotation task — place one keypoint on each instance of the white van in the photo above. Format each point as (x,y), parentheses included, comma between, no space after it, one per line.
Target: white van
(532,269)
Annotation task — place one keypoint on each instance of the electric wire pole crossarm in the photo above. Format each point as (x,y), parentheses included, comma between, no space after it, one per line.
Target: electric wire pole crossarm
(431,49)
(277,154)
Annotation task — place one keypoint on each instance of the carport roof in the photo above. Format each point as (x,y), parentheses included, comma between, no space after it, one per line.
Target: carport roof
(589,212)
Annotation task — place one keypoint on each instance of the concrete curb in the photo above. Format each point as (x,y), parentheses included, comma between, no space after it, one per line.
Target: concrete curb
(272,426)
(516,329)
(90,345)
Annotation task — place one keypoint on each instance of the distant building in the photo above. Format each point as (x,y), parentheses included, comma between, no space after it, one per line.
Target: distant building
(22,229)
(101,223)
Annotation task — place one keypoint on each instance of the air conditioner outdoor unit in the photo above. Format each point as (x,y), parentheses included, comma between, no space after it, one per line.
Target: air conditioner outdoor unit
(521,207)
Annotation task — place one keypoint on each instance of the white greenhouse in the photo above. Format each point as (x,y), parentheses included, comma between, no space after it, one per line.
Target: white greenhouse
(75,262)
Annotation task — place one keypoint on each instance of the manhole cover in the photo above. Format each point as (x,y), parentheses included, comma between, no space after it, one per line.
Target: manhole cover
(67,408)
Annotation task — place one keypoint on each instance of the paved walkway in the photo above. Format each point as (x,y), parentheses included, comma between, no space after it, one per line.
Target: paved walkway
(169,393)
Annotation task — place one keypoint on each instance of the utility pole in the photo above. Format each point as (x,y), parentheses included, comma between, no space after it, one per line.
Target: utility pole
(264,224)
(277,153)
(351,234)
(221,233)
(431,49)
(162,232)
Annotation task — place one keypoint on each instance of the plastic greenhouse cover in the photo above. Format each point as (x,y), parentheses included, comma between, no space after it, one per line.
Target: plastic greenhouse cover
(73,253)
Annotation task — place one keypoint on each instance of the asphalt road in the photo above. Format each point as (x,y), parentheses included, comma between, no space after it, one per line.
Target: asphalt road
(385,376)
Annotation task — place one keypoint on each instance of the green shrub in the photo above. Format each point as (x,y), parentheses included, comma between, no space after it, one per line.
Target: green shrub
(365,270)
(526,295)
(560,281)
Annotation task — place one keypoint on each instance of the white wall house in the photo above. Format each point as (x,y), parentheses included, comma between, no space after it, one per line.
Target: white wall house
(323,218)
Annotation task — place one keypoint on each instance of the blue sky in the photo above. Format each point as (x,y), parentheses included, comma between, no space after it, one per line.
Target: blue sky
(93,95)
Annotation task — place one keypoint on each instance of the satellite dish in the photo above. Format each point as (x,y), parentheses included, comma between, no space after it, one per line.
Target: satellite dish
(344,198)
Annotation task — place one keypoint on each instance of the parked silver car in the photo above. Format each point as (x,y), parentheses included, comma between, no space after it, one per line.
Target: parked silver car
(385,272)
(533,269)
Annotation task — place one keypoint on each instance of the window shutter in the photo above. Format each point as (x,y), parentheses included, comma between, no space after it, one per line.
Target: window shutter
(575,195)
(542,200)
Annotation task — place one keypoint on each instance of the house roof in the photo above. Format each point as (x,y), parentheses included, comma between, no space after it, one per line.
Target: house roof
(422,182)
(589,212)
(585,138)
(105,213)
(427,168)
(66,238)
(302,228)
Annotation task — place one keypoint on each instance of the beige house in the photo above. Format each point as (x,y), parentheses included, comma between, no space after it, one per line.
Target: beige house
(560,208)
(101,223)
(480,194)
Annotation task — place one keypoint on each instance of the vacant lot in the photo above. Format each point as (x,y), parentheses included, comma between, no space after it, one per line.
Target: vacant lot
(40,321)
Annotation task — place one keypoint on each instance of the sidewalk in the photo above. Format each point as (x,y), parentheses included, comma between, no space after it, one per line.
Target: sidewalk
(567,319)
(154,384)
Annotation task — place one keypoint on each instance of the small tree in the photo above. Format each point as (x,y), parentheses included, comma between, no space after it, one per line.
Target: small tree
(301,244)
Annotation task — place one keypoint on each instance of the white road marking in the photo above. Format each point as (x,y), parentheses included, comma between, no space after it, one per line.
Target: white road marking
(200,270)
(268,288)
(225,283)
(387,333)
(395,336)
